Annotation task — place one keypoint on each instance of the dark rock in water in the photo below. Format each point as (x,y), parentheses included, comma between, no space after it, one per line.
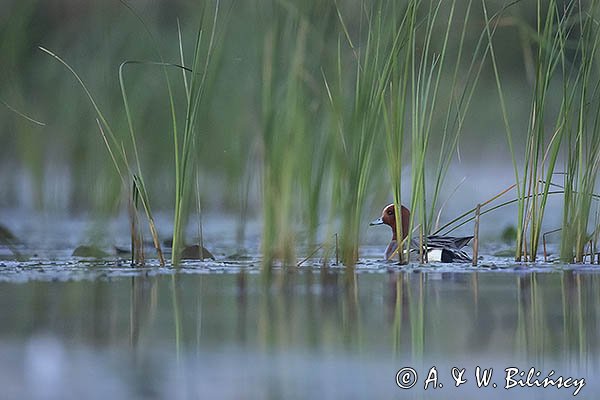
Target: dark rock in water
(6,236)
(238,257)
(193,253)
(122,250)
(10,241)
(89,252)
(188,253)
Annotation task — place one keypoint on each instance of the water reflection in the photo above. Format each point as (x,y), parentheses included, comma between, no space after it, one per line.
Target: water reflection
(300,324)
(142,309)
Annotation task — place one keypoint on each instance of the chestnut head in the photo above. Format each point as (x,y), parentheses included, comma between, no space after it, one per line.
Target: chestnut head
(388,217)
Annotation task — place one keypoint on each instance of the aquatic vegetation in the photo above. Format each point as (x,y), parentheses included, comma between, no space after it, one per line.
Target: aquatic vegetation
(312,112)
(283,124)
(118,156)
(416,98)
(554,29)
(582,143)
(357,113)
(184,147)
(183,153)
(22,114)
(394,113)
(426,97)
(184,156)
(542,147)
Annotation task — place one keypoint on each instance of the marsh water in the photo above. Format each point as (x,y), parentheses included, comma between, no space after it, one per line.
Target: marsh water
(74,328)
(303,334)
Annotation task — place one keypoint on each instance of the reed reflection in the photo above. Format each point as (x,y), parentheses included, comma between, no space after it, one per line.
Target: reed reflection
(143,306)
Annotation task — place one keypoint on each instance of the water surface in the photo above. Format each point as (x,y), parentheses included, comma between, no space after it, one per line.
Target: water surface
(235,333)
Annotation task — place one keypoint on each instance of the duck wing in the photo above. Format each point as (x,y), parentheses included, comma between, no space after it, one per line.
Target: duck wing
(448,242)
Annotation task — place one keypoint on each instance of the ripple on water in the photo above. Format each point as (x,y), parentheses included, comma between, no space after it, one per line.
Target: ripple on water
(69,268)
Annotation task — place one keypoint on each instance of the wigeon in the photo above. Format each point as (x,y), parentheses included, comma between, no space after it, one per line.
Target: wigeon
(446,249)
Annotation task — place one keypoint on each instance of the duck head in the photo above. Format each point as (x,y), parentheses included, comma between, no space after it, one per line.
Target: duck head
(388,217)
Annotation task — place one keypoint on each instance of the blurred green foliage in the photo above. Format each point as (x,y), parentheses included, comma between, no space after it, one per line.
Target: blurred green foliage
(266,123)
(64,165)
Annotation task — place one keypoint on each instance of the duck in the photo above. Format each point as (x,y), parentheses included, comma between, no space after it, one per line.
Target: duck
(445,249)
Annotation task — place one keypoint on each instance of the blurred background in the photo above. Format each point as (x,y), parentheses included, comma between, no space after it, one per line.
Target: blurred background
(63,167)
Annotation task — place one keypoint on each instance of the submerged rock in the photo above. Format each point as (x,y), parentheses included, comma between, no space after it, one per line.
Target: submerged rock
(122,250)
(89,252)
(239,256)
(196,252)
(6,236)
(11,242)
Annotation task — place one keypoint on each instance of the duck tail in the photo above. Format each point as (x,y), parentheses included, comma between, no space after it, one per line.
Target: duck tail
(462,241)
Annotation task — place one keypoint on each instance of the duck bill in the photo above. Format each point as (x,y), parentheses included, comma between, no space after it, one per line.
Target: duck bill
(378,221)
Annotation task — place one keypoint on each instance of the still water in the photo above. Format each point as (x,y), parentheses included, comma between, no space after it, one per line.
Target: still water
(308,333)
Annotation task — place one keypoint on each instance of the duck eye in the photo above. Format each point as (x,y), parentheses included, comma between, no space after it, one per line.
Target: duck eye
(390,212)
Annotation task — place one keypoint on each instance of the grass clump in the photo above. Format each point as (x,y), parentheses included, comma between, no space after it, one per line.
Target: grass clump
(295,144)
(119,157)
(582,141)
(184,142)
(185,165)
(559,28)
(357,112)
(416,99)
(283,126)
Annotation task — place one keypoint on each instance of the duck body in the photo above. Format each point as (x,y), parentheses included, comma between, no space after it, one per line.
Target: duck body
(445,249)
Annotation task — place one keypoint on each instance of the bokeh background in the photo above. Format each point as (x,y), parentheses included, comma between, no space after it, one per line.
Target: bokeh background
(63,167)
